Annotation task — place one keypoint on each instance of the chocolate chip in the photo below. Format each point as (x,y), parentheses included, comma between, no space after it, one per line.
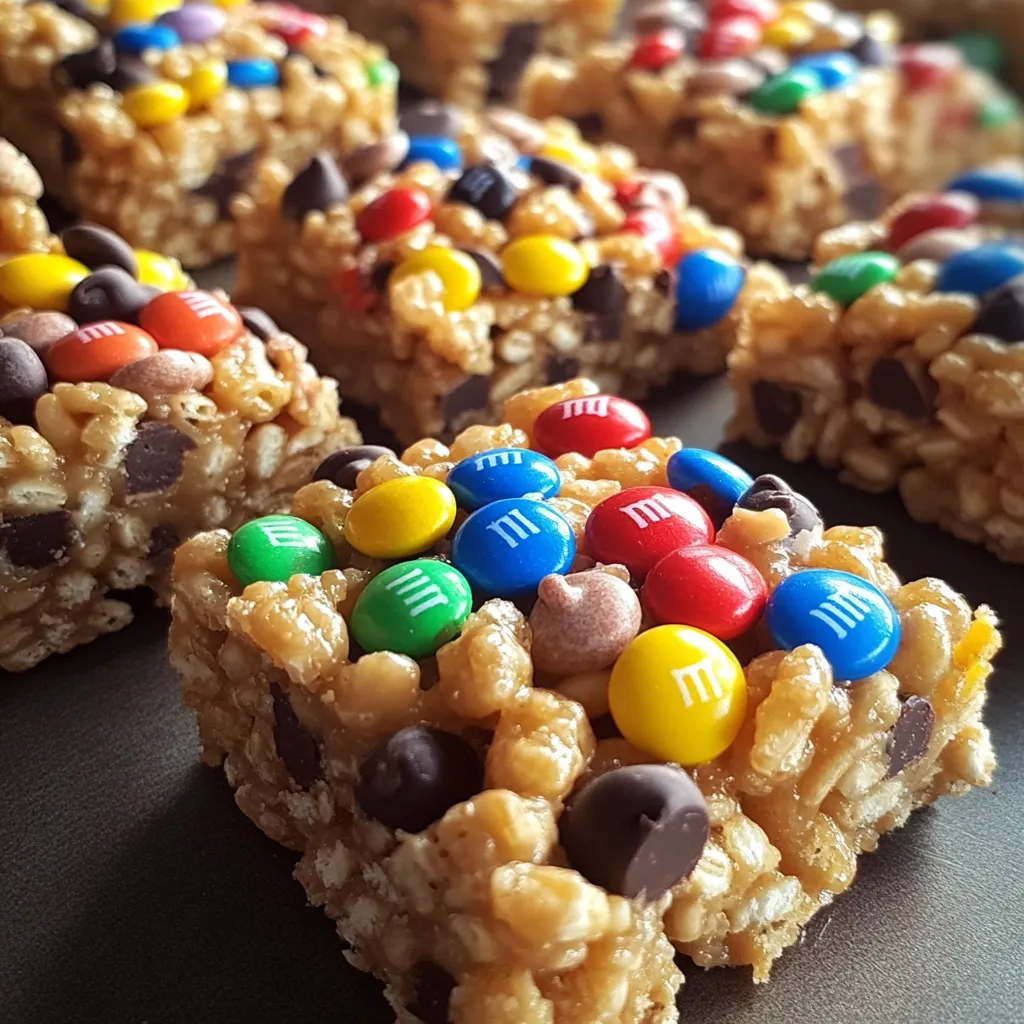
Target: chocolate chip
(796,271)
(343,466)
(432,117)
(777,408)
(768,491)
(96,246)
(891,384)
(636,831)
(664,282)
(296,747)
(317,187)
(110,293)
(378,276)
(490,270)
(602,292)
(228,180)
(433,986)
(590,126)
(22,380)
(163,539)
(560,368)
(485,188)
(864,196)
(70,150)
(76,8)
(599,327)
(155,459)
(554,172)
(80,70)
(872,52)
(130,72)
(258,322)
(377,158)
(909,737)
(470,395)
(518,46)
(37,541)
(605,728)
(1001,315)
(412,777)
(40,330)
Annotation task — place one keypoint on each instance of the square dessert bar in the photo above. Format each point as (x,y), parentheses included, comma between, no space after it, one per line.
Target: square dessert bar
(147,116)
(134,411)
(540,709)
(783,120)
(902,362)
(467,257)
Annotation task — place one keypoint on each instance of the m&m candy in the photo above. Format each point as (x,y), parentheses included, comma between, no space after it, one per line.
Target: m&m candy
(586,425)
(400,517)
(848,277)
(503,473)
(458,271)
(253,73)
(712,480)
(159,271)
(708,283)
(543,265)
(97,351)
(950,210)
(678,693)
(507,547)
(991,184)
(834,70)
(276,548)
(40,280)
(412,608)
(434,149)
(849,619)
(137,39)
(640,525)
(192,321)
(982,269)
(154,104)
(393,213)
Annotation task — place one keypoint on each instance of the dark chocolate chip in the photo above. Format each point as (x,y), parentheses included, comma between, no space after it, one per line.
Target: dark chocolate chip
(296,747)
(97,246)
(433,986)
(40,330)
(317,187)
(605,728)
(76,8)
(891,384)
(636,831)
(603,326)
(470,395)
(602,292)
(37,541)
(664,282)
(163,539)
(490,269)
(228,180)
(412,777)
(554,172)
(109,293)
(22,380)
(378,277)
(560,368)
(518,46)
(485,188)
(768,491)
(796,271)
(591,126)
(130,72)
(1001,315)
(155,459)
(431,117)
(70,150)
(909,737)
(80,70)
(685,128)
(343,466)
(872,52)
(864,196)
(776,407)
(258,322)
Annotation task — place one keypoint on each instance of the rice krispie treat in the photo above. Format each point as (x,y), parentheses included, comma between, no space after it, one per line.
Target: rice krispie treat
(902,361)
(134,411)
(783,120)
(495,696)
(23,226)
(146,116)
(464,258)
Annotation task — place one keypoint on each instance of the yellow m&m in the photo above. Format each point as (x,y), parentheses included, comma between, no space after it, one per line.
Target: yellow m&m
(543,265)
(582,157)
(160,272)
(134,12)
(790,32)
(155,104)
(400,517)
(206,82)
(678,693)
(40,280)
(458,271)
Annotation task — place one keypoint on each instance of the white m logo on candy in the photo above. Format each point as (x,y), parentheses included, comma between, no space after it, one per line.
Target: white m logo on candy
(204,305)
(694,681)
(285,535)
(498,459)
(104,330)
(515,523)
(418,594)
(597,406)
(647,511)
(842,612)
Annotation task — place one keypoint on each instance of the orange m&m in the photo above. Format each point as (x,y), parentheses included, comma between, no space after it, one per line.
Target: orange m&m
(97,351)
(192,321)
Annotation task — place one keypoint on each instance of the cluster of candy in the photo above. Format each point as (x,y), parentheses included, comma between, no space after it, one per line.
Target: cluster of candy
(103,311)
(134,30)
(774,54)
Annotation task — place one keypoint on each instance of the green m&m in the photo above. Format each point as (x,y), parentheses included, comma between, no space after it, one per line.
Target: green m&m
(784,93)
(276,548)
(847,278)
(412,608)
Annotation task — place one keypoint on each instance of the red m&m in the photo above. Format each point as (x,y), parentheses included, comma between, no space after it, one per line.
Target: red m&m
(97,351)
(657,50)
(191,321)
(641,525)
(586,425)
(393,213)
(763,11)
(296,26)
(928,65)
(706,586)
(729,37)
(950,210)
(656,227)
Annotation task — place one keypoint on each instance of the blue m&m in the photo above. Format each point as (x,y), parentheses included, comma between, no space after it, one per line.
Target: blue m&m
(834,69)
(712,480)
(980,270)
(434,149)
(849,619)
(991,184)
(137,39)
(708,282)
(253,73)
(503,473)
(507,547)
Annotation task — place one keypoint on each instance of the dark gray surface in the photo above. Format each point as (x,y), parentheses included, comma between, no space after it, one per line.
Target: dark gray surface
(131,890)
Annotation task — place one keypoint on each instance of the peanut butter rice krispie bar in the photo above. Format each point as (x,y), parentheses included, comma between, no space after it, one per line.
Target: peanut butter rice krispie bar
(464,258)
(23,226)
(494,698)
(134,411)
(902,362)
(782,119)
(147,116)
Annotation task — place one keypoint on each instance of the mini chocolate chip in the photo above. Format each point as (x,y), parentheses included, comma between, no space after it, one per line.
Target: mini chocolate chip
(909,737)
(70,150)
(258,322)
(343,466)
(412,777)
(485,188)
(664,281)
(22,380)
(518,46)
(37,541)
(97,246)
(891,384)
(377,158)
(317,187)
(603,326)
(636,831)
(431,117)
(76,8)
(433,986)
(130,72)
(227,180)
(40,330)
(602,292)
(590,126)
(864,197)
(490,270)
(796,271)
(1001,315)
(872,52)
(80,70)
(560,368)
(469,395)
(296,747)
(154,460)
(378,277)
(109,293)
(163,539)
(768,491)
(776,407)
(605,728)
(554,172)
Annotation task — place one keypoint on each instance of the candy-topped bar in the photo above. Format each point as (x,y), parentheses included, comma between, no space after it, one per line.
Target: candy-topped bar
(467,257)
(782,119)
(540,709)
(902,361)
(146,116)
(135,410)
